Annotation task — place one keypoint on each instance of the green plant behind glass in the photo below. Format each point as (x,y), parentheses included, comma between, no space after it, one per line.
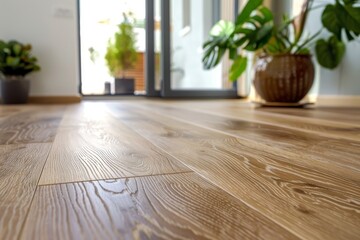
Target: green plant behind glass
(121,52)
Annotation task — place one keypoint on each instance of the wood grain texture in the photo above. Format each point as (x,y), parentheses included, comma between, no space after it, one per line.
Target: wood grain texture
(176,206)
(36,125)
(103,149)
(245,111)
(86,114)
(321,114)
(6,111)
(20,169)
(312,204)
(338,156)
(341,110)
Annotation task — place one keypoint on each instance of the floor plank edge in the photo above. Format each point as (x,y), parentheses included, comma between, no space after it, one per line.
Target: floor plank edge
(118,178)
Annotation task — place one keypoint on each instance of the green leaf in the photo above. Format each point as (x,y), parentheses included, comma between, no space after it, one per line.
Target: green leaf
(213,52)
(267,14)
(303,51)
(222,28)
(259,37)
(248,9)
(264,32)
(243,30)
(354,12)
(221,40)
(330,53)
(12,61)
(238,67)
(233,53)
(349,35)
(350,2)
(240,41)
(330,20)
(7,50)
(2,45)
(304,45)
(349,17)
(17,49)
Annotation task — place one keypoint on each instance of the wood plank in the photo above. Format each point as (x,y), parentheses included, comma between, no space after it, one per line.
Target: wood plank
(350,110)
(352,117)
(343,101)
(36,125)
(6,111)
(20,169)
(103,149)
(176,206)
(338,156)
(244,111)
(310,203)
(86,114)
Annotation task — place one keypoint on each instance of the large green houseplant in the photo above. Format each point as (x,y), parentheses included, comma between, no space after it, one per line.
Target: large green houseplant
(284,71)
(16,62)
(121,56)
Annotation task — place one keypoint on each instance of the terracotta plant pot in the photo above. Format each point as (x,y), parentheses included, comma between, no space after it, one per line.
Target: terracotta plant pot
(284,78)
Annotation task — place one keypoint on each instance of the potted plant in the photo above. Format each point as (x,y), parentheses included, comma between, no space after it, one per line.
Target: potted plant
(121,56)
(16,62)
(284,71)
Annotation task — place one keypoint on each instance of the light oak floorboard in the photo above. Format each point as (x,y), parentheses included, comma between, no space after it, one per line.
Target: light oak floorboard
(245,111)
(86,114)
(320,114)
(176,206)
(20,169)
(338,156)
(103,149)
(342,110)
(6,111)
(312,204)
(32,126)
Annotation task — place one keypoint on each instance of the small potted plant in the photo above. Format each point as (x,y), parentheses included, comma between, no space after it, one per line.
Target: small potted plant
(121,56)
(284,71)
(16,62)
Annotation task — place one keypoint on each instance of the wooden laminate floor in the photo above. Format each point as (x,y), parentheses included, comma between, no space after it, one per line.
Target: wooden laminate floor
(151,169)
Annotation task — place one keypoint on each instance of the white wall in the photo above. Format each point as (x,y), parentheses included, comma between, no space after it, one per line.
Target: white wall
(345,80)
(54,40)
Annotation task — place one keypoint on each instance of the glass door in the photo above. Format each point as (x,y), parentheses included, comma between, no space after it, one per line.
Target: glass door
(110,30)
(168,43)
(185,25)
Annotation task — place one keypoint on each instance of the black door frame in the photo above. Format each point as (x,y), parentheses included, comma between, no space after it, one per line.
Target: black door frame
(166,90)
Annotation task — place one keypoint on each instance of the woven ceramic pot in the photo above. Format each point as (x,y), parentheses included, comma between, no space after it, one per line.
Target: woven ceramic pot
(284,78)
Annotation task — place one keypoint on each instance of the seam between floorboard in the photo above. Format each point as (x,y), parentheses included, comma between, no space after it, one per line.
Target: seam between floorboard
(311,119)
(27,143)
(37,183)
(195,170)
(279,150)
(117,178)
(33,196)
(295,117)
(324,134)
